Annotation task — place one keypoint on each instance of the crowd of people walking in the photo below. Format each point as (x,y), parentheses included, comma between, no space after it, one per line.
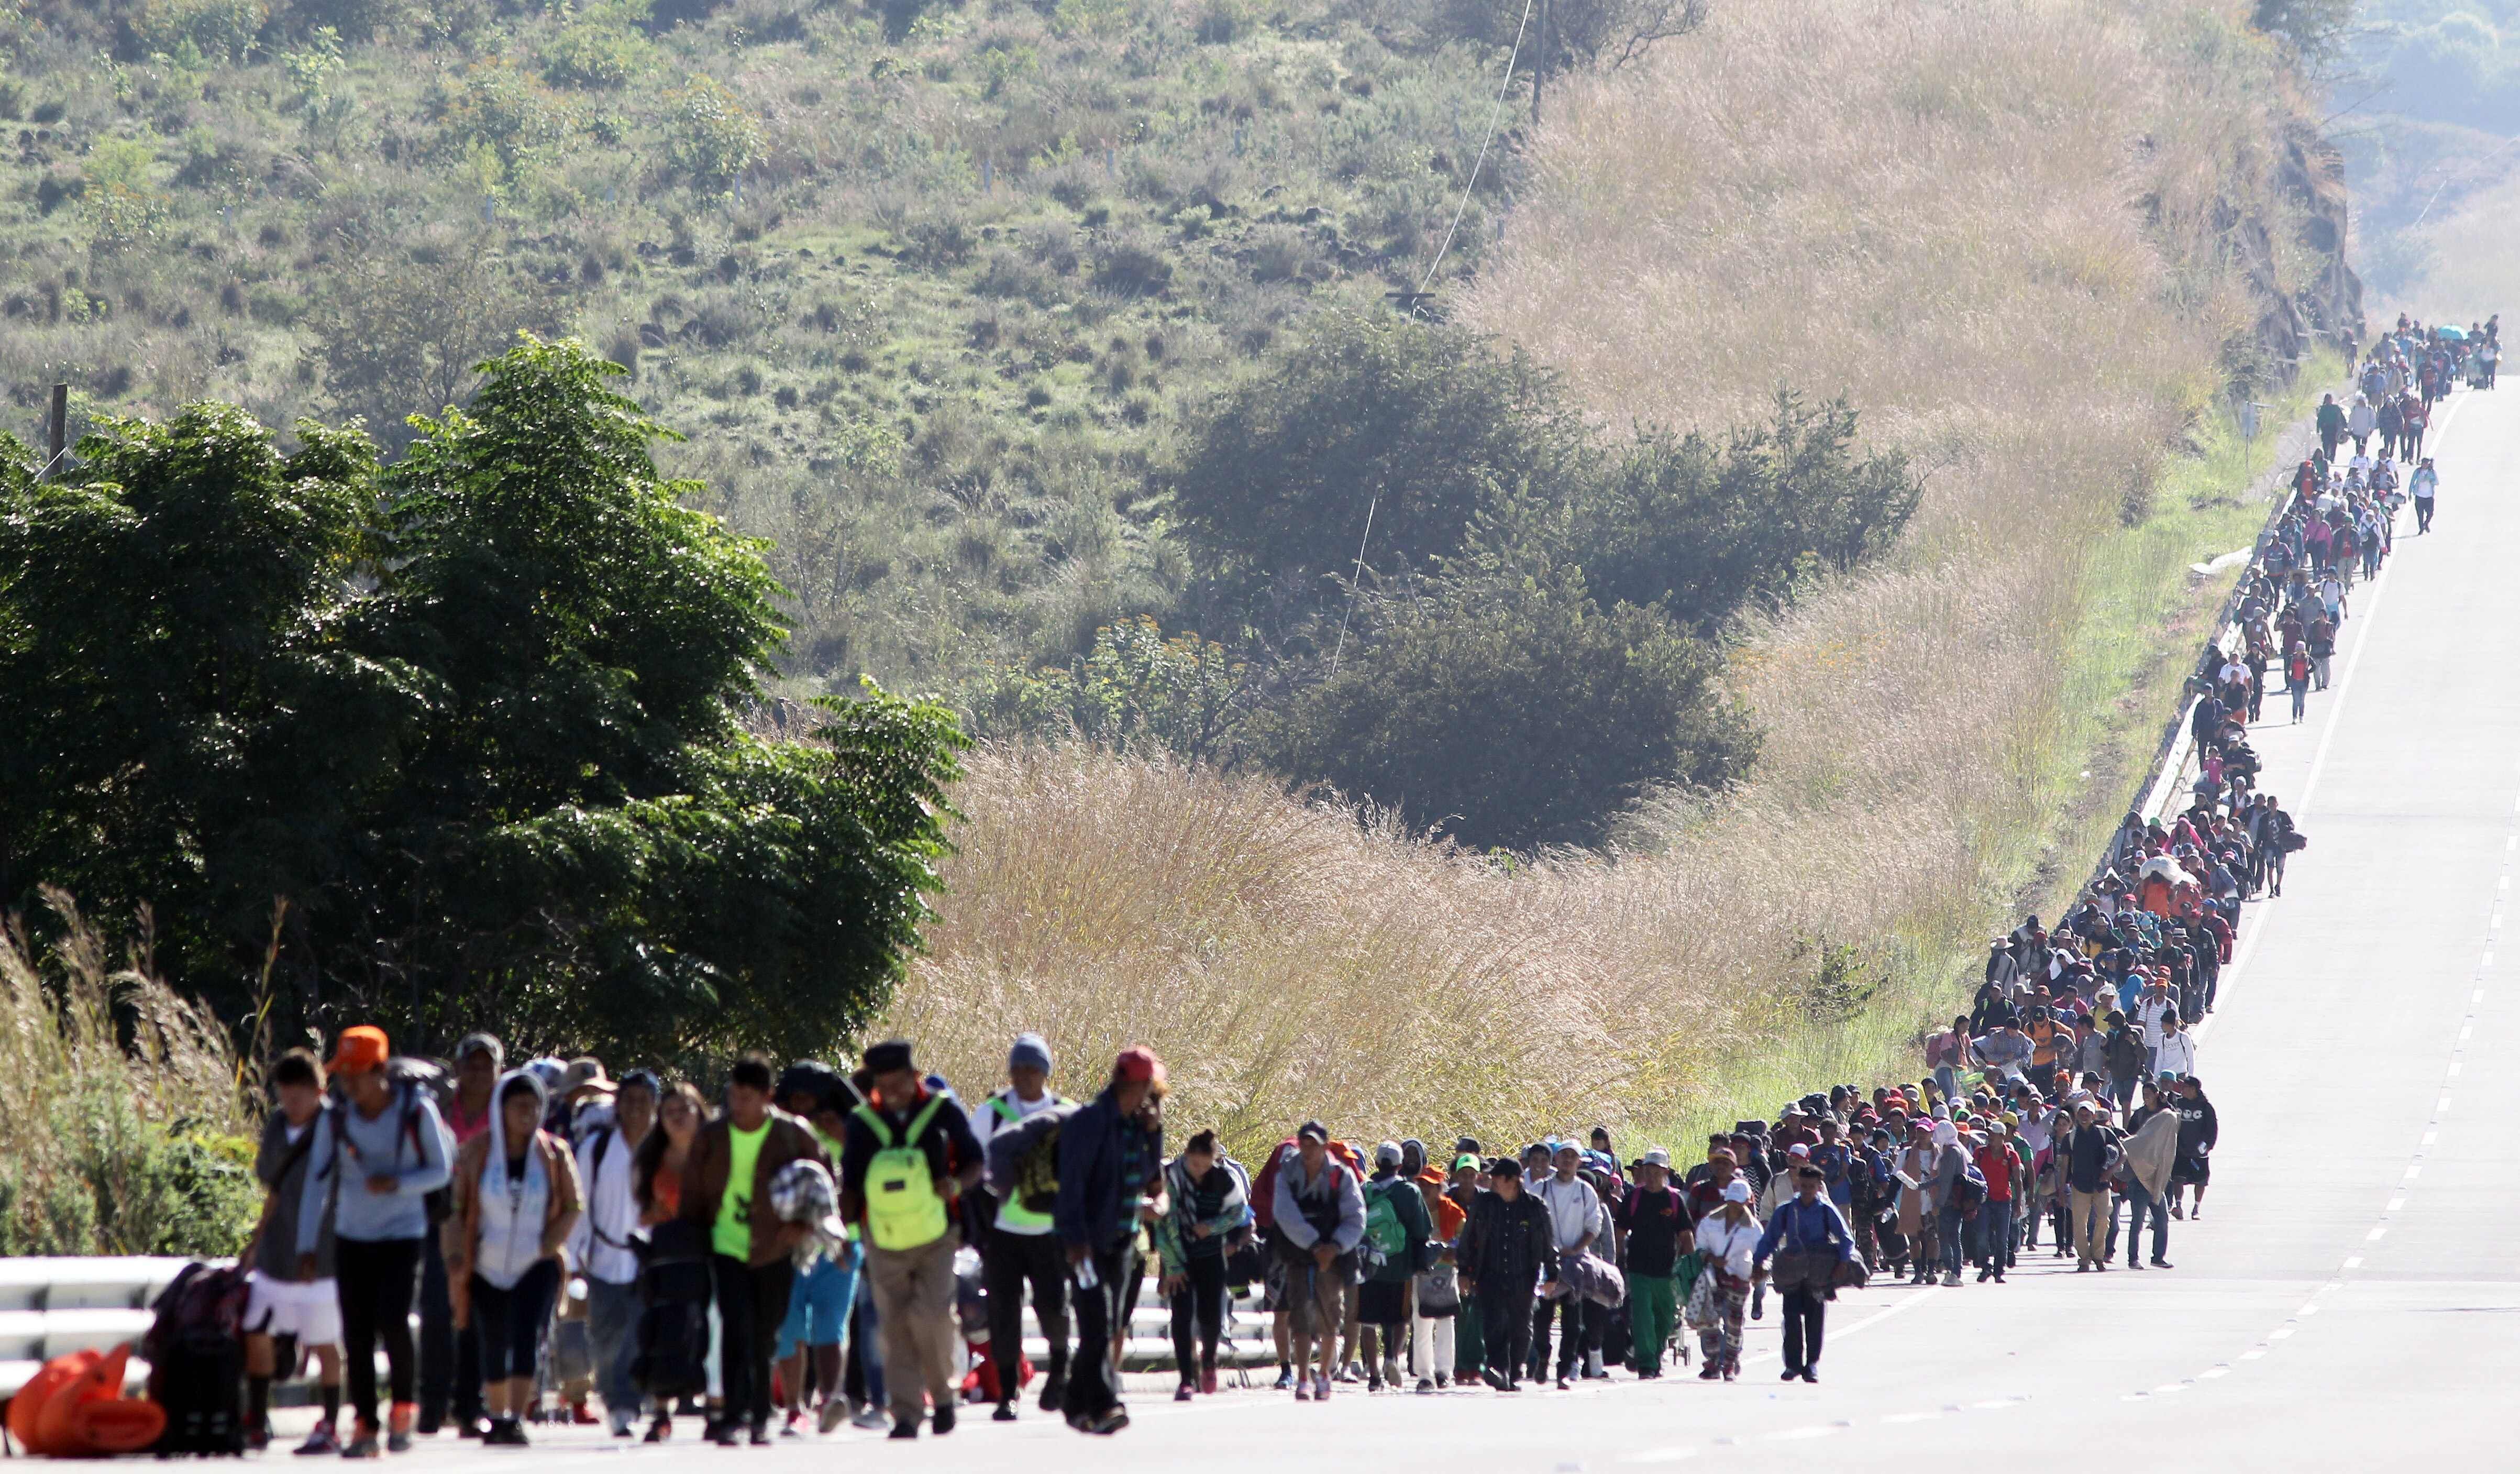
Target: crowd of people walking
(822,1246)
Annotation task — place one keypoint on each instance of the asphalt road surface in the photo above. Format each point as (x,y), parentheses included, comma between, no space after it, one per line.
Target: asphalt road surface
(2349,1299)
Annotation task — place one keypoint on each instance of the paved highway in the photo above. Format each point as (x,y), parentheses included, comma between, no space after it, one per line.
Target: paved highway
(2349,1296)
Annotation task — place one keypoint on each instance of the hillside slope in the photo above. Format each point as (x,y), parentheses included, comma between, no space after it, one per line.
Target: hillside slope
(926,282)
(2041,245)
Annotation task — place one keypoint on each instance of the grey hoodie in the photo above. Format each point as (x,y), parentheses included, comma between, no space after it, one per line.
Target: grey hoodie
(406,1141)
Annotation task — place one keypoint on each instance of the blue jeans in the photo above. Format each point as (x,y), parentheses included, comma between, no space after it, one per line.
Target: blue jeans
(1947,1230)
(2138,1204)
(612,1331)
(1994,1225)
(1947,1079)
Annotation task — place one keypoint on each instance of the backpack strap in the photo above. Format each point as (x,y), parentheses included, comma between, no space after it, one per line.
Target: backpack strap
(875,1124)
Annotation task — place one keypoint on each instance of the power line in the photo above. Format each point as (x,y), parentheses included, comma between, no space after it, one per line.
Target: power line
(1472,183)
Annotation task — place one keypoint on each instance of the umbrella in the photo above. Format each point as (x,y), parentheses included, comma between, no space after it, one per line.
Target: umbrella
(2455,335)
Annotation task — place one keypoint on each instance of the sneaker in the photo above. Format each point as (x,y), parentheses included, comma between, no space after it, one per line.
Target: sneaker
(1811,1373)
(1564,1382)
(322,1441)
(760,1436)
(1443,1379)
(1285,1378)
(1731,1373)
(1951,1280)
(1789,1373)
(1110,1422)
(1005,1414)
(2161,1263)
(399,1441)
(578,1415)
(788,1425)
(1373,1381)
(430,1421)
(1321,1388)
(1304,1390)
(2135,1264)
(724,1435)
(1593,1371)
(1354,1371)
(1425,1387)
(362,1446)
(941,1422)
(471,1427)
(1391,1370)
(903,1430)
(1053,1391)
(869,1417)
(1494,1378)
(1713,1370)
(1208,1379)
(1184,1392)
(660,1431)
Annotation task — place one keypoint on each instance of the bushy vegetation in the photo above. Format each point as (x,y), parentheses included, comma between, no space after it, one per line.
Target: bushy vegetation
(931,282)
(463,740)
(125,1122)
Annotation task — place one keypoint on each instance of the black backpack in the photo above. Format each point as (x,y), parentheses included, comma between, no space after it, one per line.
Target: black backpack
(196,1350)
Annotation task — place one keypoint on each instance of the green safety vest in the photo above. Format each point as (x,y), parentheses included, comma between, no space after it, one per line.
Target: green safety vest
(904,1209)
(1012,1214)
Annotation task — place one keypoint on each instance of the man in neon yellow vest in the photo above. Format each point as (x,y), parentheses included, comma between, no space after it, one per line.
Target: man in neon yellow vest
(909,1155)
(1018,1245)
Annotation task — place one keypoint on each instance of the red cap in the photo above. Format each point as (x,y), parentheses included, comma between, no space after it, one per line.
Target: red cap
(360,1049)
(1136,1062)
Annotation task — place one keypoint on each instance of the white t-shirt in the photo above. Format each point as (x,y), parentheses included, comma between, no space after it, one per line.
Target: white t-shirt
(1573,1210)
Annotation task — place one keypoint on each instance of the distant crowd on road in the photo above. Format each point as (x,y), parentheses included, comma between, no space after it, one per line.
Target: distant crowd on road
(820,1247)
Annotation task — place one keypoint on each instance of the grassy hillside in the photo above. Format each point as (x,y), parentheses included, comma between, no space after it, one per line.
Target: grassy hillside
(926,284)
(2036,244)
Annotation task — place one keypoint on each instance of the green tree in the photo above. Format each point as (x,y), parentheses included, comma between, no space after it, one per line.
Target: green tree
(480,731)
(1418,424)
(1515,711)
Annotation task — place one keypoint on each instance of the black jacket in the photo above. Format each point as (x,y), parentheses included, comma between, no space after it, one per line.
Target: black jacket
(1508,1245)
(2198,1126)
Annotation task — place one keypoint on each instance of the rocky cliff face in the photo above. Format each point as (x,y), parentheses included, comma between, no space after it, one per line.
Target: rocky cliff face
(2329,305)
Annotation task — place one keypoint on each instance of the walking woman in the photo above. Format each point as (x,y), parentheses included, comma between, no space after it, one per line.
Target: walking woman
(2297,679)
(516,1201)
(1210,1200)
(1728,1238)
(675,1274)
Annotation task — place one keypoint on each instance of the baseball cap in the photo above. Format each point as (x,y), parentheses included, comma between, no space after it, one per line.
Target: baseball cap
(360,1049)
(1657,1157)
(1138,1062)
(1736,1191)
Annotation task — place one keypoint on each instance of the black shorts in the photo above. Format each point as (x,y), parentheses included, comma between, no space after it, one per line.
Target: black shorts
(1382,1302)
(2190,1171)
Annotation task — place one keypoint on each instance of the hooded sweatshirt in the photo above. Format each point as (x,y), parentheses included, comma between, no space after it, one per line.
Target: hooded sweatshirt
(406,1141)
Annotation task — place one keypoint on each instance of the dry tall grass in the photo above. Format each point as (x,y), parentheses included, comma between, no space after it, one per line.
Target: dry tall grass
(126,1126)
(2015,236)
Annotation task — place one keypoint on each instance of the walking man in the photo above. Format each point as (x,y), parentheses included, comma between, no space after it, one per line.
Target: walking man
(2091,1152)
(908,1155)
(601,1246)
(369,1175)
(1018,1249)
(1320,1219)
(726,1193)
(1110,1160)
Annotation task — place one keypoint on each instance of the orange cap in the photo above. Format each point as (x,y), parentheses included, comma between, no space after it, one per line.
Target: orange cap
(360,1049)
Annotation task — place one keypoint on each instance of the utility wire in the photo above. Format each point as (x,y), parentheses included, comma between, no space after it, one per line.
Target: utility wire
(1341,648)
(1472,183)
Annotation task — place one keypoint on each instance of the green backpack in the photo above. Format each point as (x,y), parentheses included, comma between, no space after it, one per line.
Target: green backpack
(1383,1229)
(903,1207)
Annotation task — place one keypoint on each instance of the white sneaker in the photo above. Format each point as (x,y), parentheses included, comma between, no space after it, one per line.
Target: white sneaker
(835,1411)
(1951,1280)
(871,1416)
(1592,1367)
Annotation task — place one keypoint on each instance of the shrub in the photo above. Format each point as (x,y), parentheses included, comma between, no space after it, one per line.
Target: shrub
(1412,423)
(711,138)
(1136,688)
(219,29)
(108,1146)
(1515,711)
